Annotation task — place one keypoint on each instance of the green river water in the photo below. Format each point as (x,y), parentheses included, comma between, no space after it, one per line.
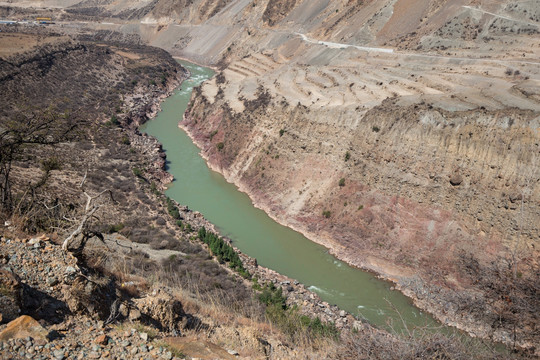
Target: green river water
(256,234)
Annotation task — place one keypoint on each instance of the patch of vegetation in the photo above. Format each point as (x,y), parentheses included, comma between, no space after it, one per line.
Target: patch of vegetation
(113,121)
(281,132)
(360,207)
(288,318)
(220,146)
(223,251)
(326,213)
(50,164)
(347,156)
(114,228)
(154,189)
(375,128)
(272,296)
(5,291)
(256,285)
(318,328)
(342,182)
(173,210)
(138,172)
(174,351)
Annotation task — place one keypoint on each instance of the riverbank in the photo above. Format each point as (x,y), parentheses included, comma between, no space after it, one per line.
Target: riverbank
(308,302)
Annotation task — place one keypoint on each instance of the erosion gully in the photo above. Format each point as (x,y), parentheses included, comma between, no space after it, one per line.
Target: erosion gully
(256,234)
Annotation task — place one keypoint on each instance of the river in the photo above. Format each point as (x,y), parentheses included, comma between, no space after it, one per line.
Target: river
(256,234)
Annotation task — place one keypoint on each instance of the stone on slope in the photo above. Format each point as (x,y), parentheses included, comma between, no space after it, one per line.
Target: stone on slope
(162,308)
(22,327)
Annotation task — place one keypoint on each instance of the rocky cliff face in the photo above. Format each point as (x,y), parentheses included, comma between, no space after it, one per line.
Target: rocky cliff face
(399,189)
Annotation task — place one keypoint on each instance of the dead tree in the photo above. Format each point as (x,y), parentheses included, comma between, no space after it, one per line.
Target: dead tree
(91,207)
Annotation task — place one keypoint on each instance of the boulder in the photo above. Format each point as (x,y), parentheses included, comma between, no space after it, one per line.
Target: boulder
(456,179)
(93,297)
(161,308)
(22,327)
(102,340)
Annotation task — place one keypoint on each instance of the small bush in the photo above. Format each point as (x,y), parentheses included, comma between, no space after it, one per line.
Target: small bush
(375,128)
(281,132)
(154,189)
(220,146)
(173,210)
(115,228)
(256,285)
(342,182)
(347,156)
(50,164)
(138,172)
(273,296)
(326,213)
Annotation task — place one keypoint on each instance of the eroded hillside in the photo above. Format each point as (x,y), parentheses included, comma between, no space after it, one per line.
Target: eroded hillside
(417,165)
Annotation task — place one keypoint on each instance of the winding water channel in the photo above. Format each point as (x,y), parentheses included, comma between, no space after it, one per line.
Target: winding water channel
(252,231)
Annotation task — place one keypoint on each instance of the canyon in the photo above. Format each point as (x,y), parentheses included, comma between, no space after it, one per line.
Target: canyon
(401,134)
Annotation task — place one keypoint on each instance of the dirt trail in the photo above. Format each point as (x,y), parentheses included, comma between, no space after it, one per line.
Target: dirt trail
(501,16)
